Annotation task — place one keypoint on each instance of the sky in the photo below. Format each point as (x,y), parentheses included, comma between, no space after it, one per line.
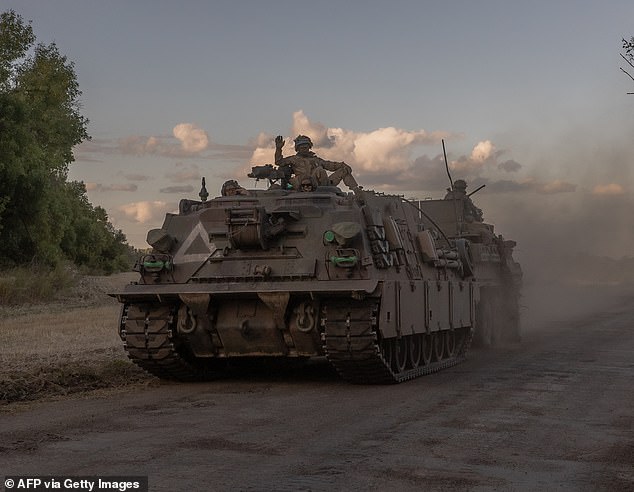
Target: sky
(528,97)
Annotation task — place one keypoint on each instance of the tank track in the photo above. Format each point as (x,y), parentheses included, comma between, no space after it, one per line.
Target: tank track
(353,347)
(147,335)
(349,335)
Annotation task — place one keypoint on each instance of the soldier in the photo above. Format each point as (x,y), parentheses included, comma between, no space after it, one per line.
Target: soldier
(459,192)
(307,183)
(305,162)
(232,188)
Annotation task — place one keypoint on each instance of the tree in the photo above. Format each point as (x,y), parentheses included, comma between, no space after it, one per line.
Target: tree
(16,38)
(44,218)
(628,56)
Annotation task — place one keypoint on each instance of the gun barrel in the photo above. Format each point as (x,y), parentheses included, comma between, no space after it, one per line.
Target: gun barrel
(271,173)
(477,189)
(261,172)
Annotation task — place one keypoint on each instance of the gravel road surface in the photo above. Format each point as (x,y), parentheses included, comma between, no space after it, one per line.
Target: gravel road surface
(555,413)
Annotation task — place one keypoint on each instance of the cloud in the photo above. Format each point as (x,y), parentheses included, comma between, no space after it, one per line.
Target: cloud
(193,139)
(145,211)
(85,151)
(556,186)
(184,173)
(508,186)
(510,166)
(317,132)
(530,185)
(424,173)
(263,149)
(262,155)
(263,140)
(113,187)
(482,151)
(483,154)
(385,150)
(177,189)
(138,177)
(608,189)
(388,159)
(138,145)
(549,197)
(188,139)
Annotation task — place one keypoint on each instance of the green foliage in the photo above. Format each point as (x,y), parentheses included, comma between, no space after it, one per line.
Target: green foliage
(47,84)
(15,40)
(87,238)
(43,218)
(33,284)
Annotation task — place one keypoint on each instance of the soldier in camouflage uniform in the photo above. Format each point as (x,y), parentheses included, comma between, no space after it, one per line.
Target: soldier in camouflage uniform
(306,163)
(307,183)
(459,192)
(232,188)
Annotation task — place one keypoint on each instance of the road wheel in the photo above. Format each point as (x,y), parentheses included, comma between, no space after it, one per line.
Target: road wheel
(387,351)
(438,343)
(428,349)
(450,343)
(416,350)
(401,354)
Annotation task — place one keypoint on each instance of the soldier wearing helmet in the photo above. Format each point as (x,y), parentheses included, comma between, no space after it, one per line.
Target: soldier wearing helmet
(232,188)
(306,163)
(459,192)
(307,183)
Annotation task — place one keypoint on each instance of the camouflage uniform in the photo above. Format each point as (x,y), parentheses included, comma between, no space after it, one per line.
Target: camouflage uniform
(306,163)
(232,188)
(459,192)
(307,183)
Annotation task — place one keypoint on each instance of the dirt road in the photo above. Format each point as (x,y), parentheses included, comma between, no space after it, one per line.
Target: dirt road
(556,413)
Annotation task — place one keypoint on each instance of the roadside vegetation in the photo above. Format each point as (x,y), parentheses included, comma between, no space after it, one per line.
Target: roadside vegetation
(31,285)
(58,327)
(66,346)
(45,220)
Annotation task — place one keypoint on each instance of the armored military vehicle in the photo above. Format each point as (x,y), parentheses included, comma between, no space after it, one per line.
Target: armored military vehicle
(386,289)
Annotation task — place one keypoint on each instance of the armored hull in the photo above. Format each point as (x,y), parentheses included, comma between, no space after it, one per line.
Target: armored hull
(370,281)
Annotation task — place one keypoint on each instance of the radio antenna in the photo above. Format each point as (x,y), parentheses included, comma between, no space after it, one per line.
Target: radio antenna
(455,201)
(446,163)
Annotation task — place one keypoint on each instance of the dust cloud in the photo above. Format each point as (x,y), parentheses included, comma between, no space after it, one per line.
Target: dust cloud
(566,197)
(575,250)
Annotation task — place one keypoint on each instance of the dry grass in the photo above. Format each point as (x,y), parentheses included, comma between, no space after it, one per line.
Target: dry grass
(59,335)
(35,284)
(64,347)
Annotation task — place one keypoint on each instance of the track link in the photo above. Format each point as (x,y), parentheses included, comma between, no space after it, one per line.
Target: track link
(147,333)
(352,345)
(350,339)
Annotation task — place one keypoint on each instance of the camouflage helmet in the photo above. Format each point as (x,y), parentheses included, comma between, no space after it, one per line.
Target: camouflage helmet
(307,180)
(303,140)
(460,184)
(232,184)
